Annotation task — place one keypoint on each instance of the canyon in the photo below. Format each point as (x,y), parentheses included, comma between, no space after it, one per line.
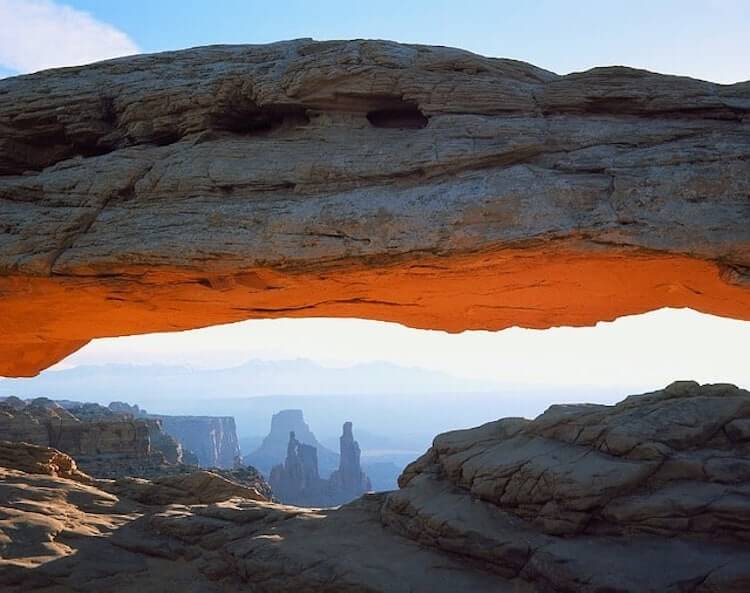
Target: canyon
(646,496)
(424,185)
(121,439)
(212,439)
(104,442)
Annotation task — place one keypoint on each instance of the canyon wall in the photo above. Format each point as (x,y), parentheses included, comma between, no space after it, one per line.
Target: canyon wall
(423,185)
(97,434)
(212,439)
(104,443)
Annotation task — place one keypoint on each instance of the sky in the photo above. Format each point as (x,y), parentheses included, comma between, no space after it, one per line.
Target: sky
(708,40)
(640,351)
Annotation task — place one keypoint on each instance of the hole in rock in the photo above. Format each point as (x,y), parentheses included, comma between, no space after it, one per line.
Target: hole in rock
(405,117)
(250,119)
(253,382)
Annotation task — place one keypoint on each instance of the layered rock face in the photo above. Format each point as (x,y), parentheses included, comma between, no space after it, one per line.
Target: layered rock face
(370,179)
(275,446)
(208,441)
(105,443)
(297,481)
(120,434)
(648,496)
(212,439)
(652,494)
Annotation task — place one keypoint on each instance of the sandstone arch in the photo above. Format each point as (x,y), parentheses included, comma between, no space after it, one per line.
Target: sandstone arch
(423,185)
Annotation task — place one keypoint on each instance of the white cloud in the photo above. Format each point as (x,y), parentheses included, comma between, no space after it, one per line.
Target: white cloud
(39,34)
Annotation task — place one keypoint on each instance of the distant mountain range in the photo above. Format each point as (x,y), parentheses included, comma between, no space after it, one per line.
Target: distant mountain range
(256,377)
(396,410)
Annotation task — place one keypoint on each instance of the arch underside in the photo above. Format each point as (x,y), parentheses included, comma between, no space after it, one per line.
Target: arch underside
(426,186)
(534,288)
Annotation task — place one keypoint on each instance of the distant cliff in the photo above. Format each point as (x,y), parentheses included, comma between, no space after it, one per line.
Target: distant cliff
(213,439)
(273,449)
(105,443)
(297,481)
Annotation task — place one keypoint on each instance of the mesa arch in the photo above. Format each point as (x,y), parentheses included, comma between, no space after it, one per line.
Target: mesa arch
(423,185)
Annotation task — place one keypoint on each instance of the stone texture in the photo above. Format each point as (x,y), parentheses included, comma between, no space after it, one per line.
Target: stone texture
(423,185)
(123,440)
(297,481)
(198,487)
(649,496)
(33,459)
(106,443)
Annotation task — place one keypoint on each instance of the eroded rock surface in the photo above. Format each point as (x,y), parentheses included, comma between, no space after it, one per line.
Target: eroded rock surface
(105,443)
(198,487)
(349,481)
(652,494)
(33,459)
(121,440)
(371,179)
(647,496)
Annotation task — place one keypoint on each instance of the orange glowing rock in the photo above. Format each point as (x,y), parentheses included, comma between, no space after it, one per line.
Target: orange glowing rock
(427,186)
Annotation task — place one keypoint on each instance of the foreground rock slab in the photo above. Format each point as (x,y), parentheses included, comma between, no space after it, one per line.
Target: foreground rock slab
(650,495)
(60,535)
(423,185)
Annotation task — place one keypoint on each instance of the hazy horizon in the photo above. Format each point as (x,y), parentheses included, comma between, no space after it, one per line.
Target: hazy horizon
(631,353)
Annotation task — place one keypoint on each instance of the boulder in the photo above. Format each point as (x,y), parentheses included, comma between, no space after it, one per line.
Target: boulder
(588,497)
(33,459)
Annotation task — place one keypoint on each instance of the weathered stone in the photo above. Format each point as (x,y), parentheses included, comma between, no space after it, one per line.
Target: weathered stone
(106,444)
(423,185)
(122,440)
(445,530)
(654,463)
(33,459)
(297,481)
(198,487)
